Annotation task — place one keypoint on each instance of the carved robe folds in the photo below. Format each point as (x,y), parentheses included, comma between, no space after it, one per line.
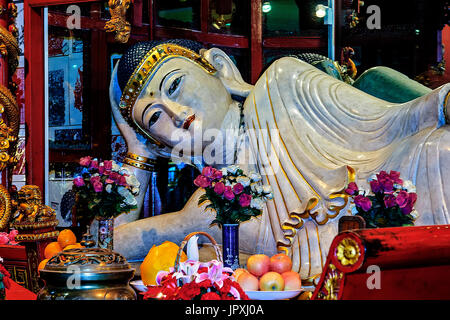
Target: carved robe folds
(317,126)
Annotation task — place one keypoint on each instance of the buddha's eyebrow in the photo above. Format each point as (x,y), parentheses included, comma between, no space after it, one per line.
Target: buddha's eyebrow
(160,85)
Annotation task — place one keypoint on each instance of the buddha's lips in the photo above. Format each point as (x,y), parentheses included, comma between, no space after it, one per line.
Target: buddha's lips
(188,122)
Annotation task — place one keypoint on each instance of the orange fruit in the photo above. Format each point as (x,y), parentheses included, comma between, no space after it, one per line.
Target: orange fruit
(42,264)
(66,238)
(159,258)
(73,246)
(51,249)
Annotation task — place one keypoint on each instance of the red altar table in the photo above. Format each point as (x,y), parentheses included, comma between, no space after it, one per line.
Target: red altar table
(388,263)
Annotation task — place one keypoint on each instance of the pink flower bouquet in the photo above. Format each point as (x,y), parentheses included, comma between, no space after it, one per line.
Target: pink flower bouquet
(196,280)
(390,203)
(104,189)
(234,196)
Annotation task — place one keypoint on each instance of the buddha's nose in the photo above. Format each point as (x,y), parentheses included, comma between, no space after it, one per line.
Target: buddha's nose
(177,112)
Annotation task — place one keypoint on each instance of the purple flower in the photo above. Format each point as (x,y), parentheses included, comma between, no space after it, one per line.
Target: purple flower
(402,199)
(352,188)
(202,181)
(412,197)
(98,186)
(386,183)
(363,202)
(85,161)
(238,188)
(395,176)
(228,193)
(389,201)
(245,200)
(219,188)
(376,186)
(78,181)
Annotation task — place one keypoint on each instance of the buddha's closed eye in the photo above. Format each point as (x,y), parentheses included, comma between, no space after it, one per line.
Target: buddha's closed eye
(174,85)
(154,118)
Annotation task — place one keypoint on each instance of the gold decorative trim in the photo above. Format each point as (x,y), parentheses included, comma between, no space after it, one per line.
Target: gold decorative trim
(331,284)
(5,207)
(138,165)
(145,72)
(143,159)
(38,236)
(347,252)
(34,225)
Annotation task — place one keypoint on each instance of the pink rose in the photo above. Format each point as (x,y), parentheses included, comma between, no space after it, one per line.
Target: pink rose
(238,188)
(245,199)
(363,202)
(122,181)
(98,186)
(85,161)
(208,172)
(352,188)
(110,181)
(389,201)
(402,199)
(4,239)
(219,188)
(107,164)
(228,193)
(101,169)
(376,186)
(202,181)
(114,176)
(217,174)
(94,164)
(78,181)
(395,176)
(12,235)
(95,179)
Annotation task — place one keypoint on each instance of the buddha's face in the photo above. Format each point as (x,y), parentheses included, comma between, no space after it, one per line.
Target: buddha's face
(180,103)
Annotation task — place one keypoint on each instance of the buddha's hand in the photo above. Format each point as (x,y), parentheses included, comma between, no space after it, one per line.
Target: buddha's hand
(136,142)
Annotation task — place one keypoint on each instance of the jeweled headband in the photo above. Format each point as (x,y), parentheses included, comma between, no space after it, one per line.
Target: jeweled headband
(145,71)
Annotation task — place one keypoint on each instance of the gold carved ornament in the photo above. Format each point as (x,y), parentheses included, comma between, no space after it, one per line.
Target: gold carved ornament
(118,23)
(5,207)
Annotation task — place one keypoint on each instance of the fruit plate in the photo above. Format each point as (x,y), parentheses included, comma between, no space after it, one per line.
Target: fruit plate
(272,295)
(139,285)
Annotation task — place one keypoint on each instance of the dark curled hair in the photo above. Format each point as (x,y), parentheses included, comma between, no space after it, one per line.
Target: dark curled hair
(136,53)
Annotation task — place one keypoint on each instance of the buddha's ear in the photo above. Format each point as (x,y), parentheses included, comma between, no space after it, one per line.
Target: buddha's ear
(227,72)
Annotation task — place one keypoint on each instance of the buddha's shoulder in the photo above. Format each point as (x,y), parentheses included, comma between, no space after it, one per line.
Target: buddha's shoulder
(286,67)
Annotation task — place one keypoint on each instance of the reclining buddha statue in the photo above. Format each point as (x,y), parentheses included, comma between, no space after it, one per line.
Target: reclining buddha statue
(306,133)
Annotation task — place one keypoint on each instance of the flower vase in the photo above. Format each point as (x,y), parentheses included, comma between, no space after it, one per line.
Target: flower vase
(230,245)
(105,233)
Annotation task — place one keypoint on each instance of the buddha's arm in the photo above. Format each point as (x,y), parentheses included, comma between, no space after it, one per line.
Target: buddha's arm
(431,110)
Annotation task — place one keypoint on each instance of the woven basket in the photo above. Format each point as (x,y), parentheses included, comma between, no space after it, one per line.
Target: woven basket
(185,241)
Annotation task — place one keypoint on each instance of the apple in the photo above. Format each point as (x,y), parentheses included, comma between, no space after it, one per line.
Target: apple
(280,263)
(271,281)
(292,280)
(238,272)
(248,282)
(258,264)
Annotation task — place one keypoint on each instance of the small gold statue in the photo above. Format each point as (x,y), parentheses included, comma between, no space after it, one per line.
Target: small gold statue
(30,207)
(118,23)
